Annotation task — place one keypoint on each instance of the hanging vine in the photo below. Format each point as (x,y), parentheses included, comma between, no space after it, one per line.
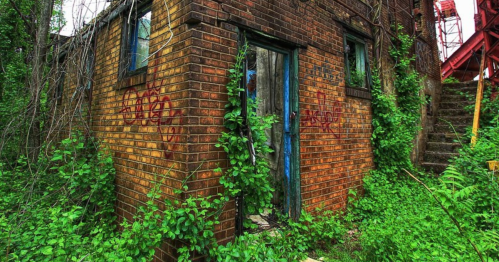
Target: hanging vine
(245,145)
(396,118)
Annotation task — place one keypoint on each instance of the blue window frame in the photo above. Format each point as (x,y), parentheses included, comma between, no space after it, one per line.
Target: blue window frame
(355,62)
(135,42)
(139,40)
(268,81)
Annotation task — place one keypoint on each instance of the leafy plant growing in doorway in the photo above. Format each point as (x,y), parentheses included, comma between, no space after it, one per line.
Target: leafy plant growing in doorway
(248,170)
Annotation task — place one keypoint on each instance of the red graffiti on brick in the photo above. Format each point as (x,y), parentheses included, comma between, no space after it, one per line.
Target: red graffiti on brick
(327,118)
(152,109)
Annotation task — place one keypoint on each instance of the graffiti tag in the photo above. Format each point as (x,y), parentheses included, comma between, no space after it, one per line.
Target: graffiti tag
(327,118)
(152,109)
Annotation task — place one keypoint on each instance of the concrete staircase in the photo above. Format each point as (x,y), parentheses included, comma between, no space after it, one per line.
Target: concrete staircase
(450,124)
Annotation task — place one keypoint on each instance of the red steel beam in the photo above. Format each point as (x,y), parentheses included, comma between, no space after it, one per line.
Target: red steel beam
(487,34)
(459,58)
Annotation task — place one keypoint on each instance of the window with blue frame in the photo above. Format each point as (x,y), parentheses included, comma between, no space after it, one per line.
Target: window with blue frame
(355,62)
(136,47)
(140,37)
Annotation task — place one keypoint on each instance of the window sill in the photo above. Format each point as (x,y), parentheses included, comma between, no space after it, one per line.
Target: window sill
(358,92)
(135,79)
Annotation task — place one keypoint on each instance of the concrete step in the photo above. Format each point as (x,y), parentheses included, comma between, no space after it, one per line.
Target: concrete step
(444,137)
(453,112)
(443,147)
(461,84)
(457,90)
(436,168)
(466,120)
(455,105)
(438,157)
(442,127)
(454,97)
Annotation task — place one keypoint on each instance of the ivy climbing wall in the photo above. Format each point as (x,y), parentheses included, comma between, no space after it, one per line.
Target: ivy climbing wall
(166,119)
(335,132)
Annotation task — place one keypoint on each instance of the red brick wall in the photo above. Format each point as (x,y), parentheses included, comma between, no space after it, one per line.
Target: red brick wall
(333,160)
(334,156)
(143,149)
(189,75)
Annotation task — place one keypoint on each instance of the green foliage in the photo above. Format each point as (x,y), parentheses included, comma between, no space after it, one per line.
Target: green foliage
(357,79)
(450,80)
(489,108)
(290,243)
(407,82)
(401,222)
(65,212)
(470,192)
(18,23)
(396,118)
(193,224)
(248,171)
(57,22)
(256,247)
(15,45)
(317,231)
(50,215)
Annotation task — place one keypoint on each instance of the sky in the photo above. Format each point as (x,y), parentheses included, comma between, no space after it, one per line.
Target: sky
(78,11)
(466,10)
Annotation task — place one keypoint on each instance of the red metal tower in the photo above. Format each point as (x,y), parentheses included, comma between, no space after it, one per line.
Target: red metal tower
(449,26)
(464,63)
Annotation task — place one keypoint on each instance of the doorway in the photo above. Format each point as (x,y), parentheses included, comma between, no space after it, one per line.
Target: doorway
(268,81)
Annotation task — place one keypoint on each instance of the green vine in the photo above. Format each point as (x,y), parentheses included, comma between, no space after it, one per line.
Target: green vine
(396,118)
(248,172)
(68,214)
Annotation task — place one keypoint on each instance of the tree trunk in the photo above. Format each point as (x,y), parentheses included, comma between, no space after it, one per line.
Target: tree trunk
(38,78)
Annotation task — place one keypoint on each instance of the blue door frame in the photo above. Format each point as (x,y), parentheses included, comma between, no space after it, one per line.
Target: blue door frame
(288,129)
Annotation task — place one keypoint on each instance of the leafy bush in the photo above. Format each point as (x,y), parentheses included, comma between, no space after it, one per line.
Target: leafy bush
(251,247)
(396,118)
(248,169)
(399,221)
(49,213)
(470,192)
(489,108)
(65,212)
(450,80)
(289,243)
(357,79)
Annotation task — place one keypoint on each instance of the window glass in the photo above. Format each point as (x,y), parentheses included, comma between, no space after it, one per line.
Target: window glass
(140,41)
(90,69)
(355,60)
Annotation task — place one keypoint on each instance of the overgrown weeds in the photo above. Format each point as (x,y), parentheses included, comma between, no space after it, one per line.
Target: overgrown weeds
(398,219)
(293,242)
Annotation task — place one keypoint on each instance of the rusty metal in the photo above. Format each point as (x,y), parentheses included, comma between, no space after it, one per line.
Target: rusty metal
(449,26)
(478,102)
(463,63)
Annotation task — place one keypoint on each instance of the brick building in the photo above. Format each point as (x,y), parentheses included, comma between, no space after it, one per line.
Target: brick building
(158,90)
